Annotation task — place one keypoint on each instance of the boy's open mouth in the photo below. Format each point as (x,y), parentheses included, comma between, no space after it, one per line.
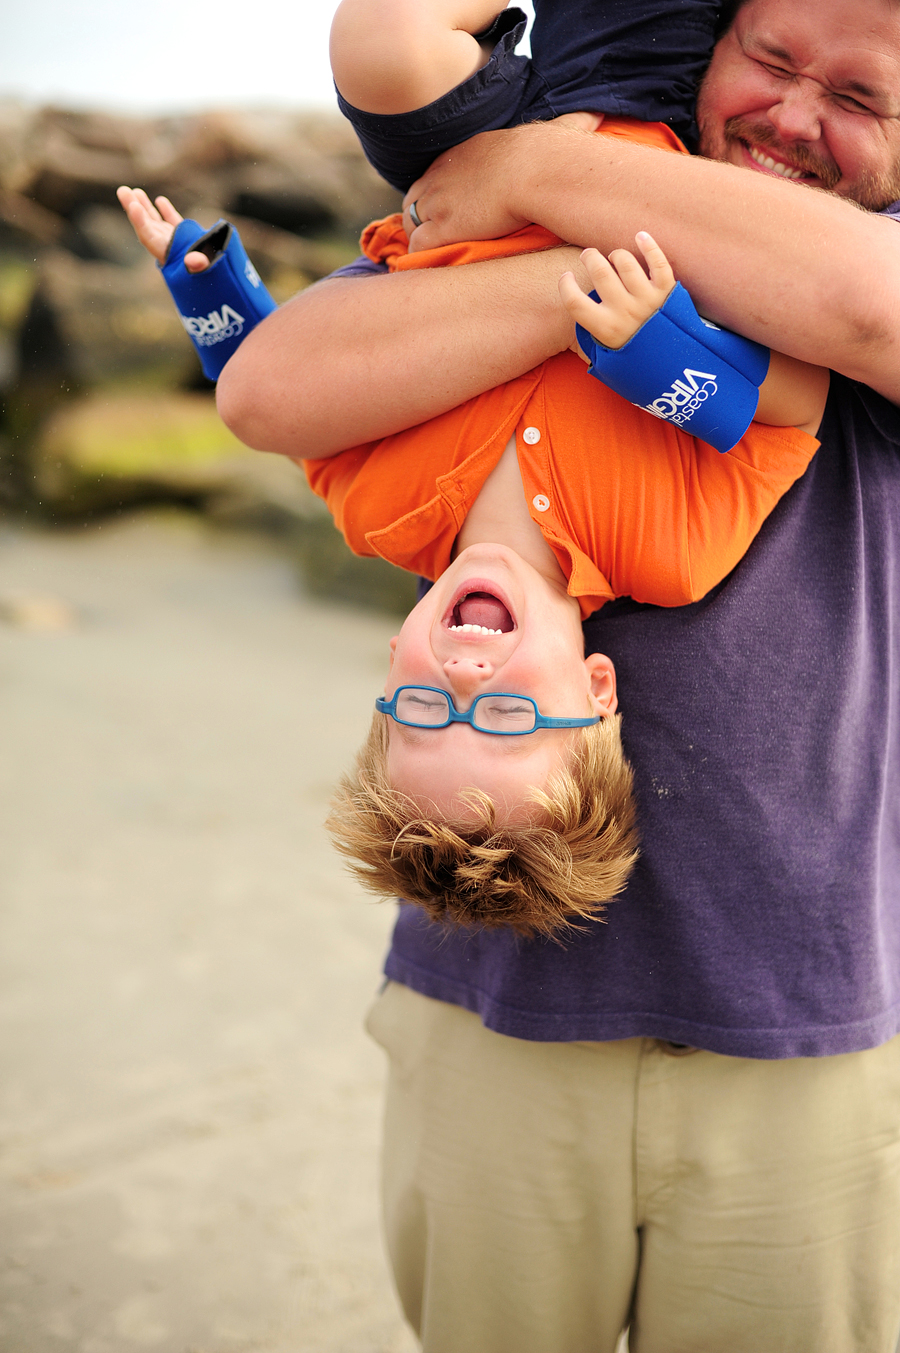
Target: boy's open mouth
(478,611)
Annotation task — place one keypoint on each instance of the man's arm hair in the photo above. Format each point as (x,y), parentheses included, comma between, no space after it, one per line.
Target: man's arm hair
(353,359)
(801,270)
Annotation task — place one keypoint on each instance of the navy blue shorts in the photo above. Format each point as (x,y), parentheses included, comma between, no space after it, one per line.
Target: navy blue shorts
(629,58)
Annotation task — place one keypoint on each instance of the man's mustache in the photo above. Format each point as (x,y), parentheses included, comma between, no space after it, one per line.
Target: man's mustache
(798,156)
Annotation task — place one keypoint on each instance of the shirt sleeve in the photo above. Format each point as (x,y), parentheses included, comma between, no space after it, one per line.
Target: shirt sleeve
(731,495)
(401,146)
(360,267)
(663,515)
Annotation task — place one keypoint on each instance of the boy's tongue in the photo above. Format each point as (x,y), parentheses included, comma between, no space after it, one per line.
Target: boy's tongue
(480,608)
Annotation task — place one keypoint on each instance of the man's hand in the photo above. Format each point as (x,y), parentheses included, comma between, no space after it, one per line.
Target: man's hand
(628,297)
(155,225)
(464,194)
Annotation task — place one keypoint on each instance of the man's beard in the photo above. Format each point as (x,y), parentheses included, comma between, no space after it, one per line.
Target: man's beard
(871,191)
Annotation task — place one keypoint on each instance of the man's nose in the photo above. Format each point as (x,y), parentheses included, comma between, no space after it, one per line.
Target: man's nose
(467,676)
(797,116)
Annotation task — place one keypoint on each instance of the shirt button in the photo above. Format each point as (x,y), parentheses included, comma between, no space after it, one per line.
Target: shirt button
(531,435)
(540,500)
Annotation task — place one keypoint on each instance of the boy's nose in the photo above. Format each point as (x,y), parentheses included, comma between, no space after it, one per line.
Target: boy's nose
(467,676)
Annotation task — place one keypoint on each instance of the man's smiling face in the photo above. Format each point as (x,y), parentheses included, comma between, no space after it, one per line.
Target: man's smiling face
(809,92)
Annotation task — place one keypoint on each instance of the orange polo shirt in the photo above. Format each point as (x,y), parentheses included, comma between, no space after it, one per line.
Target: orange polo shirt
(629,504)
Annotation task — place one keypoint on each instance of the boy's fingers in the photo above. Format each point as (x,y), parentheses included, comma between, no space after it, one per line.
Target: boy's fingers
(607,324)
(145,229)
(596,264)
(604,278)
(168,212)
(569,290)
(143,201)
(153,233)
(632,275)
(131,204)
(195,262)
(582,309)
(661,274)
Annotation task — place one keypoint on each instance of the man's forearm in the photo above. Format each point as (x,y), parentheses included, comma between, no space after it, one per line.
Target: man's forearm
(354,359)
(801,271)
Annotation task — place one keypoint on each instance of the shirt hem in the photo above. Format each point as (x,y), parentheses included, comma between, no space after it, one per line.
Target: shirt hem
(609,1026)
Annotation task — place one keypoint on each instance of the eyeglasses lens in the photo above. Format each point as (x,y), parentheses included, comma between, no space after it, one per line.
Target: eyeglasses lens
(503,714)
(426,709)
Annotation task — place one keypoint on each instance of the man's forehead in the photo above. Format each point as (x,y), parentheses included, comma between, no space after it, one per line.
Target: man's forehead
(858,16)
(853,46)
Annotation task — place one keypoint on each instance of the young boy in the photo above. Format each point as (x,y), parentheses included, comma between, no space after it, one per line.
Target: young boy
(602,500)
(530,831)
(616,504)
(531,506)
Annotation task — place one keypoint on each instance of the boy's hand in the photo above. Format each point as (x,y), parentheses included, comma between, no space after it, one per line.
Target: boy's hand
(155,225)
(629,296)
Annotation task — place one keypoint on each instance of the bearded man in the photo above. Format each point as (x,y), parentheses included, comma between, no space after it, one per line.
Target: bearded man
(686,1120)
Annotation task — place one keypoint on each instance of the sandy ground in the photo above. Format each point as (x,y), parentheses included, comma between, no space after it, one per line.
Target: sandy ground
(188,1104)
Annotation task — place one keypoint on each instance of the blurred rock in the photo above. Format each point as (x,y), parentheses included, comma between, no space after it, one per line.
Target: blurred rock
(303,172)
(330,570)
(107,322)
(105,233)
(85,319)
(28,221)
(15,125)
(18,280)
(115,448)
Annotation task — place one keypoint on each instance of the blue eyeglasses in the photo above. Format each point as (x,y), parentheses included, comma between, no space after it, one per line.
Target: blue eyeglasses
(498,712)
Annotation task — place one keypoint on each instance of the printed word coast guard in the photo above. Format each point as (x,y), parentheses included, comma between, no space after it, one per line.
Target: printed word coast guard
(219,306)
(712,377)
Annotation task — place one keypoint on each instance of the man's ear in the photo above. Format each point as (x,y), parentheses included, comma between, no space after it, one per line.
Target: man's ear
(603,684)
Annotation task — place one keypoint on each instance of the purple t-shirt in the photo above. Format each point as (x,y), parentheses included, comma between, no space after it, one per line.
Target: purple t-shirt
(763,723)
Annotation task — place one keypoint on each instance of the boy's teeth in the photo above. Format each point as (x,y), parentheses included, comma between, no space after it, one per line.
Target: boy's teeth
(473,629)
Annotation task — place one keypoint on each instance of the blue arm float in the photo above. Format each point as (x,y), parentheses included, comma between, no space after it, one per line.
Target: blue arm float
(686,371)
(219,306)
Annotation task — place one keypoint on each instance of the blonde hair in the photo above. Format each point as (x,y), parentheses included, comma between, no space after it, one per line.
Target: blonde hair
(535,878)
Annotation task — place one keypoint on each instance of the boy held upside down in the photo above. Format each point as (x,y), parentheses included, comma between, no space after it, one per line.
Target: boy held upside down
(492,788)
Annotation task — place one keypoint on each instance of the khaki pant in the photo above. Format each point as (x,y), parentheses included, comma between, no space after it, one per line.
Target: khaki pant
(538,1196)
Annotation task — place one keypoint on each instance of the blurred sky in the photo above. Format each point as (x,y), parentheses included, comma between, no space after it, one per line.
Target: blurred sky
(166,55)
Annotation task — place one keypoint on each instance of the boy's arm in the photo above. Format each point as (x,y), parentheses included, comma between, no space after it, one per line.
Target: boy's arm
(394,56)
(793,394)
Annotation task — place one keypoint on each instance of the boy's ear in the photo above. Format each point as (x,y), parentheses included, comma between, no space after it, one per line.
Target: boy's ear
(393,646)
(603,683)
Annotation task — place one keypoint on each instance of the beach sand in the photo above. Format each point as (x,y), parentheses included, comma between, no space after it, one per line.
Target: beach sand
(189,1107)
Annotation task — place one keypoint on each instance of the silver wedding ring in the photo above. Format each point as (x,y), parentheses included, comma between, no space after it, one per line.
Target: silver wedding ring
(414,215)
